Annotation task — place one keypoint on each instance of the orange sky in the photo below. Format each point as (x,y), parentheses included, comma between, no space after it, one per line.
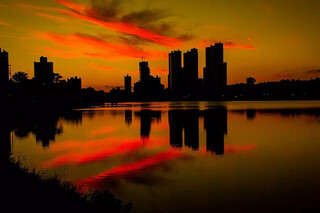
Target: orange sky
(103,40)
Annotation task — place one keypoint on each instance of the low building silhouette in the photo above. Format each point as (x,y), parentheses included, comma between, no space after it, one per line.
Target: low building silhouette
(43,71)
(4,74)
(127,84)
(148,87)
(74,84)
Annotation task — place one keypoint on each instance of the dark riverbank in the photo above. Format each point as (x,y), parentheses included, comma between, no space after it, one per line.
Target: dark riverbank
(31,191)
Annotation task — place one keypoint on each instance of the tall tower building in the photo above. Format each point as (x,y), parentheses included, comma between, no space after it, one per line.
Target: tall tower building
(43,71)
(215,72)
(190,71)
(4,73)
(175,71)
(144,71)
(127,84)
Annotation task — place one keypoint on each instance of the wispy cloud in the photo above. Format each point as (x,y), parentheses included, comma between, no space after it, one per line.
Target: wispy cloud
(315,71)
(147,25)
(100,67)
(227,44)
(79,45)
(4,23)
(160,70)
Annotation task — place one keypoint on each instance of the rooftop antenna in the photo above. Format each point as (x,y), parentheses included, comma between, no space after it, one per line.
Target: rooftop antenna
(142,57)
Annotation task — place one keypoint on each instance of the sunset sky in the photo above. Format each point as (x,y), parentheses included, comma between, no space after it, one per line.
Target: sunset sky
(103,40)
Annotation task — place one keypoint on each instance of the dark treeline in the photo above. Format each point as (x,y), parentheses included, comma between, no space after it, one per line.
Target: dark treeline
(279,90)
(249,91)
(57,94)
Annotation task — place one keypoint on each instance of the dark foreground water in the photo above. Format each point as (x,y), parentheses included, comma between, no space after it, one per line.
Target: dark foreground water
(184,157)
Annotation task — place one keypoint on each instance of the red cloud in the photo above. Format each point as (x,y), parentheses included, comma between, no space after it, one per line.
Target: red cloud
(102,48)
(236,148)
(91,15)
(4,23)
(160,70)
(106,129)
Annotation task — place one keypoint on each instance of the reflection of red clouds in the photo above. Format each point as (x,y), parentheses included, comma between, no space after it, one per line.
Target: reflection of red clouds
(134,167)
(92,156)
(103,130)
(239,148)
(89,14)
(231,149)
(97,150)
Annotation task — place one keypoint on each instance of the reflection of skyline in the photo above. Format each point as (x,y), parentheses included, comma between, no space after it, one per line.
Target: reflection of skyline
(184,121)
(128,117)
(147,117)
(187,121)
(216,125)
(251,114)
(5,142)
(45,128)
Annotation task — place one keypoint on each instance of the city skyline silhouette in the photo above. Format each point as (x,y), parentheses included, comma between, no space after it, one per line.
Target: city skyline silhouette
(160,106)
(101,52)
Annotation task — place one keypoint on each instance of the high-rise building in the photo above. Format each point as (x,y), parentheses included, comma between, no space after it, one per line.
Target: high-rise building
(144,71)
(4,73)
(190,71)
(175,71)
(215,72)
(127,84)
(43,71)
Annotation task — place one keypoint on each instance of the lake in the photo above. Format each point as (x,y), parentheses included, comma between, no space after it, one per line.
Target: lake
(183,156)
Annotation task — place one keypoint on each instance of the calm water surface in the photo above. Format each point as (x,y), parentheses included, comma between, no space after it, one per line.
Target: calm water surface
(184,157)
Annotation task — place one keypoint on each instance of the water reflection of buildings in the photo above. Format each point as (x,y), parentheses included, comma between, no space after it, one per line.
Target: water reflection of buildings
(216,125)
(46,127)
(147,117)
(187,121)
(5,140)
(128,117)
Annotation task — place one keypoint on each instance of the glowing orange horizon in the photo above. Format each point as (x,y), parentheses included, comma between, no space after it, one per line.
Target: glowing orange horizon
(102,43)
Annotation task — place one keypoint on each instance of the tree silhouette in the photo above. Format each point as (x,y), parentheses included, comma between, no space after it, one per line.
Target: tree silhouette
(20,77)
(57,78)
(251,81)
